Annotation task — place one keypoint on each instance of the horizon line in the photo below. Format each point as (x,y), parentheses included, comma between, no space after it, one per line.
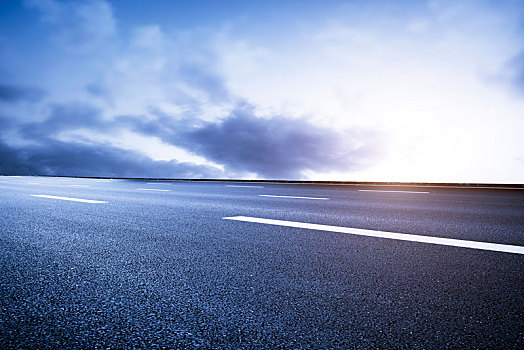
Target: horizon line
(319,182)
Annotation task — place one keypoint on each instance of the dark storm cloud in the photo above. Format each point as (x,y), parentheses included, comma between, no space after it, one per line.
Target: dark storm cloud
(279,147)
(75,159)
(275,147)
(12,162)
(272,148)
(10,93)
(41,154)
(64,117)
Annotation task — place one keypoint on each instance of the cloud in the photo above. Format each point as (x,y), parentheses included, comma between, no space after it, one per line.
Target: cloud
(242,143)
(158,85)
(10,93)
(258,100)
(63,117)
(41,153)
(76,159)
(278,147)
(12,162)
(274,147)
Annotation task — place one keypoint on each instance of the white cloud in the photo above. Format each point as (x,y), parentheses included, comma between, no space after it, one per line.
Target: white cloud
(422,78)
(427,89)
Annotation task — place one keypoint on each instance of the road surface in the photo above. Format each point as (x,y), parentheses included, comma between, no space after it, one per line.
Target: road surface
(89,263)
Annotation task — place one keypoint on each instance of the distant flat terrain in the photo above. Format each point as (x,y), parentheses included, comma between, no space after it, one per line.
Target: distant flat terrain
(94,263)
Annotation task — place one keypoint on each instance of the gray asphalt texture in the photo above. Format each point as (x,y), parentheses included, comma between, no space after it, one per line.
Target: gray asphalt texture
(163,270)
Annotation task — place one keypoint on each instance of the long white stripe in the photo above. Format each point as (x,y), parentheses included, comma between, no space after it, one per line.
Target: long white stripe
(389,235)
(68,198)
(393,191)
(245,186)
(153,189)
(269,195)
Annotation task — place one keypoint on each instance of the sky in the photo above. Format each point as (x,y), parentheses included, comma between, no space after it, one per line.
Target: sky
(415,91)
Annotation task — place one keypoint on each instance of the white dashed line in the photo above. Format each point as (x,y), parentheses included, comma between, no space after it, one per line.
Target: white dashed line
(153,189)
(393,191)
(68,198)
(158,183)
(389,235)
(245,186)
(77,185)
(268,195)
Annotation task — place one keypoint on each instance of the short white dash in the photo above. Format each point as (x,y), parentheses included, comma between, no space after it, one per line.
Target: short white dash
(153,189)
(158,183)
(269,195)
(245,186)
(389,235)
(68,198)
(393,191)
(77,185)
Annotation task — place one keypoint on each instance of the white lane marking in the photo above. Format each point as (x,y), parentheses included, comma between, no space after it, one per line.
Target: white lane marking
(393,191)
(68,198)
(389,235)
(102,180)
(33,183)
(153,189)
(269,195)
(158,183)
(245,186)
(77,185)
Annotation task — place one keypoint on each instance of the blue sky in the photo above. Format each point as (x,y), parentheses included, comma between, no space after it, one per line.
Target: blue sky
(322,90)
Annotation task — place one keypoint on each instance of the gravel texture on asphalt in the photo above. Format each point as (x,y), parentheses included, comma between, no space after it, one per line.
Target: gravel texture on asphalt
(163,270)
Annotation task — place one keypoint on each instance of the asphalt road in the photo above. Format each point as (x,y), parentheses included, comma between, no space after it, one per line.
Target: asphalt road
(156,265)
